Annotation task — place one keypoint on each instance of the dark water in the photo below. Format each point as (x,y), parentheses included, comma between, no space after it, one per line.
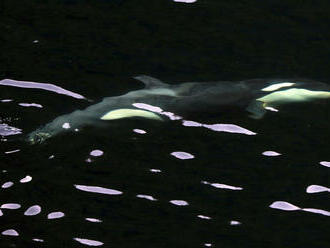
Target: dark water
(117,186)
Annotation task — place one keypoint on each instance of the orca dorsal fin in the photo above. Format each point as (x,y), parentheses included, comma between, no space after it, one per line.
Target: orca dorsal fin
(150,82)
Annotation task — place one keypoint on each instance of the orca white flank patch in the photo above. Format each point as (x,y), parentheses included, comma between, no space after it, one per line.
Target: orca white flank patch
(128,113)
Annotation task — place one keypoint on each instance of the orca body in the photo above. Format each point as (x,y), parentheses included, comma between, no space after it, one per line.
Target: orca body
(255,96)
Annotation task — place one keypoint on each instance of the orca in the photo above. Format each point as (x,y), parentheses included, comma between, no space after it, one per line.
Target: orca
(160,101)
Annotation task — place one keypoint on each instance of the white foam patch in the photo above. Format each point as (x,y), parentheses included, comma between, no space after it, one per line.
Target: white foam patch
(179,202)
(155,170)
(33,210)
(97,189)
(88,242)
(182,155)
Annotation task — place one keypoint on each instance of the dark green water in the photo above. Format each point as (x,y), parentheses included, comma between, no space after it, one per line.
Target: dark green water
(94,48)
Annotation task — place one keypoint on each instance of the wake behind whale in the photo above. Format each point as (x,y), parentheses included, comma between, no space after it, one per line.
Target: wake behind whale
(160,101)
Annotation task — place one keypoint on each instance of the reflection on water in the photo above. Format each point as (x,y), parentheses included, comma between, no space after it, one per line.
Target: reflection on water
(10,232)
(148,197)
(204,217)
(212,180)
(43,86)
(97,189)
(185,1)
(235,223)
(325,163)
(222,186)
(6,130)
(182,155)
(179,202)
(33,210)
(230,128)
(282,205)
(55,215)
(10,206)
(30,105)
(140,131)
(271,153)
(7,185)
(93,220)
(317,189)
(88,242)
(26,179)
